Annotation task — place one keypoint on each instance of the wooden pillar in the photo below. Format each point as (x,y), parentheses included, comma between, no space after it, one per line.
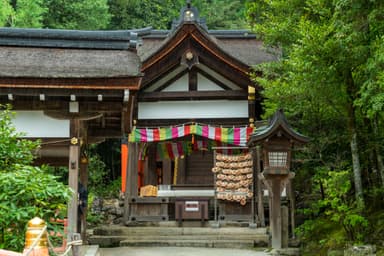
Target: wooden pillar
(132,176)
(284,226)
(276,213)
(84,181)
(150,175)
(260,202)
(292,203)
(181,174)
(73,179)
(167,171)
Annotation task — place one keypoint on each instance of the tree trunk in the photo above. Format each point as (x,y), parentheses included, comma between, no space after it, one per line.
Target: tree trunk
(352,90)
(379,158)
(356,169)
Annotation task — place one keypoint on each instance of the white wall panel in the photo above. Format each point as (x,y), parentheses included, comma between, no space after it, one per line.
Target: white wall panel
(193,109)
(180,85)
(207,85)
(37,125)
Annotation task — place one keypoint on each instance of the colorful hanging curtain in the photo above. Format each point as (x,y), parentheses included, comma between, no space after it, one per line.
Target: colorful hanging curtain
(237,136)
(172,150)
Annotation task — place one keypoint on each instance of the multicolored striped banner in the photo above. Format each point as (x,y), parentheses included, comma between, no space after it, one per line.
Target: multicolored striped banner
(237,136)
(172,150)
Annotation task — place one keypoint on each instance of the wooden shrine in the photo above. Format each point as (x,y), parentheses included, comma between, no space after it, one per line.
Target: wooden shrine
(70,89)
(196,105)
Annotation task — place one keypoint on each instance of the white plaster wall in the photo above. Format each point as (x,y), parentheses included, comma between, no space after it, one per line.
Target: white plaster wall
(193,109)
(180,85)
(206,85)
(37,125)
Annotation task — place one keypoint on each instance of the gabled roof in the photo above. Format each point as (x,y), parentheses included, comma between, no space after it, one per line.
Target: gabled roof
(229,53)
(190,37)
(277,124)
(55,53)
(243,45)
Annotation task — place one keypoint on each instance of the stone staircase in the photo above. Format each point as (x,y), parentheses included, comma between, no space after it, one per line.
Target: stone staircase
(145,236)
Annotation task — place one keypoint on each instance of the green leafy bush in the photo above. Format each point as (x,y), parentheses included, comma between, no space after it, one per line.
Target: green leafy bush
(26,191)
(335,219)
(24,194)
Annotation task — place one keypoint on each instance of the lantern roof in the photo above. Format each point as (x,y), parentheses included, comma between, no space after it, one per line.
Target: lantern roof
(277,126)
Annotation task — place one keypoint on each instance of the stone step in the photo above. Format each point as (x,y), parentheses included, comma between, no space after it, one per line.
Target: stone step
(89,250)
(171,231)
(235,237)
(199,241)
(105,241)
(238,244)
(184,237)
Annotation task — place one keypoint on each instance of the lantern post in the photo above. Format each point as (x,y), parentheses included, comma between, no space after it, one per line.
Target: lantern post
(276,140)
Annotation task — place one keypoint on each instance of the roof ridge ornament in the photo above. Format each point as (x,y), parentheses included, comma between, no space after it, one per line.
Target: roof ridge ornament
(189,14)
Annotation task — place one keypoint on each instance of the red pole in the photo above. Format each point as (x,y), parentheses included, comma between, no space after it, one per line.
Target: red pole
(124,165)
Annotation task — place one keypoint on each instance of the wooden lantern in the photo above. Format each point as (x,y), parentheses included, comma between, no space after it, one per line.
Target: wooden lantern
(277,140)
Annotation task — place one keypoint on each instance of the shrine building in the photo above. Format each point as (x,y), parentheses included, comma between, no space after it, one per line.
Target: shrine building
(196,102)
(182,102)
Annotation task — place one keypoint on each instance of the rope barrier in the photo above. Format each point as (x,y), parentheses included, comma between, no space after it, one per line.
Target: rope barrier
(51,247)
(67,250)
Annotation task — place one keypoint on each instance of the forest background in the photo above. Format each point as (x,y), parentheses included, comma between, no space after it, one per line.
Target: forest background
(329,80)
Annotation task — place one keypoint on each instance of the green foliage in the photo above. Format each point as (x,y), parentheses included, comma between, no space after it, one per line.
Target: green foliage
(97,175)
(99,181)
(222,14)
(139,13)
(334,219)
(93,218)
(73,14)
(25,191)
(22,13)
(6,12)
(12,149)
(328,80)
(320,235)
(159,14)
(29,14)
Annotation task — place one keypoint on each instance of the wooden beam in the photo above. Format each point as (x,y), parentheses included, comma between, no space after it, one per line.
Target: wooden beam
(192,80)
(242,80)
(61,104)
(120,83)
(195,95)
(99,132)
(59,92)
(211,121)
(156,73)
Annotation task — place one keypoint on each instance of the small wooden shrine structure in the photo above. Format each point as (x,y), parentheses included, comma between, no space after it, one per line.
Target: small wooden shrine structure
(276,140)
(70,89)
(196,106)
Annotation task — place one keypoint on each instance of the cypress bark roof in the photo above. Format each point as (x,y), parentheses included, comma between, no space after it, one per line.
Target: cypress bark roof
(241,44)
(67,63)
(55,53)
